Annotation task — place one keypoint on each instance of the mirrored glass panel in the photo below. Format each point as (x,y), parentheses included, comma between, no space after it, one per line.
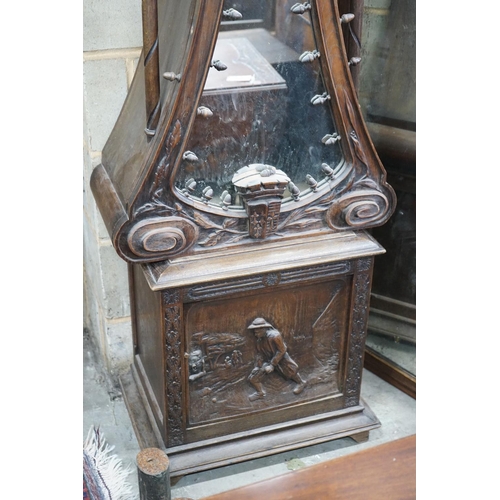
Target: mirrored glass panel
(396,350)
(387,96)
(264,112)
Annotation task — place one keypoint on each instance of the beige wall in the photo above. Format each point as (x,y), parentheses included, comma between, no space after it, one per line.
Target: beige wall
(111,42)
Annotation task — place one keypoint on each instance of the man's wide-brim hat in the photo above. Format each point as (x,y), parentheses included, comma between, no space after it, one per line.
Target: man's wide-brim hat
(259,323)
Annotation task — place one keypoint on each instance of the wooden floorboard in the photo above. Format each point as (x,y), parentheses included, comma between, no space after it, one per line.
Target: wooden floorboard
(384,472)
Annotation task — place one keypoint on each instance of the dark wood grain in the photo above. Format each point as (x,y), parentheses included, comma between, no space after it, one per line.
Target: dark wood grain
(202,272)
(149,355)
(385,472)
(143,172)
(196,353)
(151,63)
(108,200)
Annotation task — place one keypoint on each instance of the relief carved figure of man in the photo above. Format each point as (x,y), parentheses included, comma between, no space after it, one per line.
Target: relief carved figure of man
(196,365)
(271,355)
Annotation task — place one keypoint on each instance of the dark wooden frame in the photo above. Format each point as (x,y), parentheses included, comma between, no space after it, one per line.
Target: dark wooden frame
(397,149)
(389,371)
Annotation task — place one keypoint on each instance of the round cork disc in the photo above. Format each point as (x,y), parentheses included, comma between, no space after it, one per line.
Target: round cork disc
(152,461)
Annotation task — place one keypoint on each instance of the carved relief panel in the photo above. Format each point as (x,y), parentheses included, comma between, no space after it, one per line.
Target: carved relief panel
(249,351)
(303,332)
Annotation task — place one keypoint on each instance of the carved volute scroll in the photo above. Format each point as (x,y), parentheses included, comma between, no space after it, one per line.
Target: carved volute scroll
(179,191)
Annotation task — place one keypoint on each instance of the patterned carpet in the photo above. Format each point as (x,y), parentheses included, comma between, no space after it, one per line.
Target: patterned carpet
(104,477)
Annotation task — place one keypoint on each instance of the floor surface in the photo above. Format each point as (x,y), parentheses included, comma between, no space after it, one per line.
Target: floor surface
(104,407)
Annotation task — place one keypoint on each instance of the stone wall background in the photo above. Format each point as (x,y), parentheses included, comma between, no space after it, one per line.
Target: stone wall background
(112,38)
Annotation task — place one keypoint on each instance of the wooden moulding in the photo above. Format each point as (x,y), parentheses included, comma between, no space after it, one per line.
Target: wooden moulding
(390,372)
(274,256)
(198,268)
(108,201)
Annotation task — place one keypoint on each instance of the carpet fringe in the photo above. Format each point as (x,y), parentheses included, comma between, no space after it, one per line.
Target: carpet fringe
(110,471)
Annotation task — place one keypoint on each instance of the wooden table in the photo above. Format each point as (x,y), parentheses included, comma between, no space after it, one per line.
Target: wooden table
(385,472)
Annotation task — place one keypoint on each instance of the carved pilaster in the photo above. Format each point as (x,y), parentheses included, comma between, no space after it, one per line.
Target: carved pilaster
(364,264)
(173,346)
(361,293)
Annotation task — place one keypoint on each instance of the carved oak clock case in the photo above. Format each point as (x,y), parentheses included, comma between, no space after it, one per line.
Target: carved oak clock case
(238,184)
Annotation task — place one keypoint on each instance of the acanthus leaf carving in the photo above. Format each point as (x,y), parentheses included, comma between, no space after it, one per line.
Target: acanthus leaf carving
(158,206)
(204,222)
(211,240)
(163,167)
(226,231)
(351,203)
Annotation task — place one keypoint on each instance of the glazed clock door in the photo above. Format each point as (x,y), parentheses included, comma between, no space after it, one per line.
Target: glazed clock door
(264,112)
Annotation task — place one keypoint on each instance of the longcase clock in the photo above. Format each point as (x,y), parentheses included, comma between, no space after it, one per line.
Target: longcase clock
(238,183)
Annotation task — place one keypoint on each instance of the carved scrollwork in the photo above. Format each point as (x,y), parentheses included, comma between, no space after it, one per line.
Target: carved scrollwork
(210,229)
(161,236)
(359,208)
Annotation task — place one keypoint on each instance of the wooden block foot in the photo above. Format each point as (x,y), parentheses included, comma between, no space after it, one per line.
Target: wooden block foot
(361,437)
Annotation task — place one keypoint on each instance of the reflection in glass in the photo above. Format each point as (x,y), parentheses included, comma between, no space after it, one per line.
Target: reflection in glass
(387,96)
(400,352)
(264,105)
(388,71)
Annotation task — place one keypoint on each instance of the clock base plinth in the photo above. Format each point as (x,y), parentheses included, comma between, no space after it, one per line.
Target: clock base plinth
(355,422)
